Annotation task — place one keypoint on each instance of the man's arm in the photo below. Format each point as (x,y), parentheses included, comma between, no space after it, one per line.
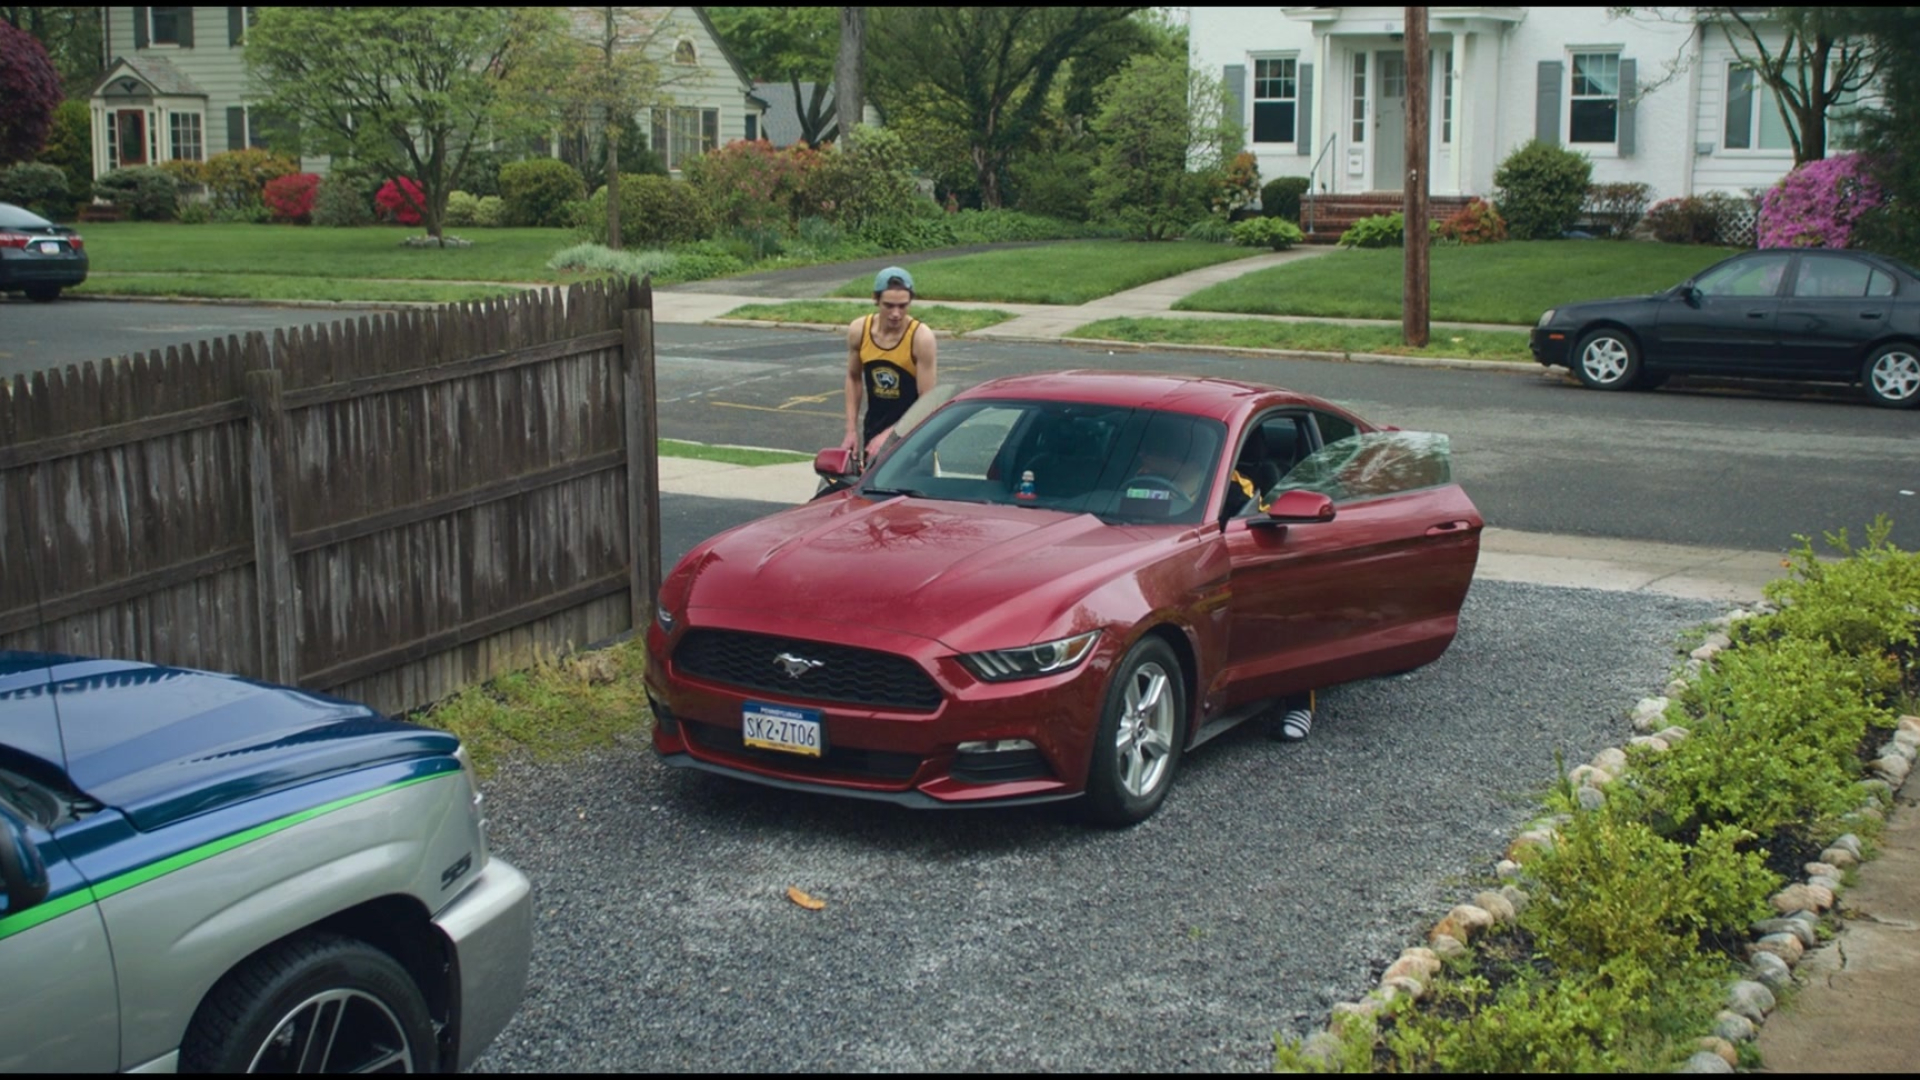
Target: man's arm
(851,438)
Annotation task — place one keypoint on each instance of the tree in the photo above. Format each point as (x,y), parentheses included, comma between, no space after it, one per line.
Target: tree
(850,67)
(31,89)
(411,91)
(71,36)
(795,44)
(1162,129)
(988,71)
(1806,56)
(1891,133)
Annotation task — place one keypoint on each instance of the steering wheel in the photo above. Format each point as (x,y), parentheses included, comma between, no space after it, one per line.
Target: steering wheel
(1179,502)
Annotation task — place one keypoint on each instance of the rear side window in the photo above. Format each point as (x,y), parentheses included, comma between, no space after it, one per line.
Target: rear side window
(1880,283)
(1334,428)
(1827,278)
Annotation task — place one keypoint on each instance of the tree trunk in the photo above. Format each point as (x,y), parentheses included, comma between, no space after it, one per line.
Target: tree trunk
(613,186)
(849,69)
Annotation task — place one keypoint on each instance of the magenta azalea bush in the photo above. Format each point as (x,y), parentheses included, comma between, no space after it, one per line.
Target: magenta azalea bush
(1816,204)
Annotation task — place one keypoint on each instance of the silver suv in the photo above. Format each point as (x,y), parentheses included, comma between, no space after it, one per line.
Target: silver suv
(202,872)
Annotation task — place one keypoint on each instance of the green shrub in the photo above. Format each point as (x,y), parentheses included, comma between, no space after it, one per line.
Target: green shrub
(1273,232)
(1382,230)
(704,259)
(236,178)
(597,257)
(653,211)
(1053,185)
(1211,229)
(1859,605)
(38,187)
(491,212)
(196,213)
(70,149)
(537,190)
(1617,207)
(1476,223)
(999,226)
(1281,197)
(480,173)
(1540,189)
(143,192)
(866,185)
(1234,186)
(340,203)
(461,209)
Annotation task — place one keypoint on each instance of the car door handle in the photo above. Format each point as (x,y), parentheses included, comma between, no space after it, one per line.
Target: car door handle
(1871,314)
(1447,528)
(1758,313)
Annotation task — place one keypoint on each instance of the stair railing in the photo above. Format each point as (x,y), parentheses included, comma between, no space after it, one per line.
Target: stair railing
(1313,179)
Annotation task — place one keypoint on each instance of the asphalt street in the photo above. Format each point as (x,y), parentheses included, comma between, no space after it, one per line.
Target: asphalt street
(36,336)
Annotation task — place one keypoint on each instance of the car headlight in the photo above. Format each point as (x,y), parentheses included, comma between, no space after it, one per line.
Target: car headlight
(1548,317)
(1028,661)
(662,616)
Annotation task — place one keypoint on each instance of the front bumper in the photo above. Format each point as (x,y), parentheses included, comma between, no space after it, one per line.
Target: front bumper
(1550,346)
(490,927)
(904,757)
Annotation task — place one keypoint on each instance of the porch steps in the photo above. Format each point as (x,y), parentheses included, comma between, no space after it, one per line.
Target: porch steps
(100,212)
(1332,215)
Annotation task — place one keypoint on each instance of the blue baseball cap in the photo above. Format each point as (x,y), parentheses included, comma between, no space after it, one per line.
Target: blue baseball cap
(893,277)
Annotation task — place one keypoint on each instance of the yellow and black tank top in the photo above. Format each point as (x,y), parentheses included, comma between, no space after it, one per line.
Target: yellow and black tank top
(891,378)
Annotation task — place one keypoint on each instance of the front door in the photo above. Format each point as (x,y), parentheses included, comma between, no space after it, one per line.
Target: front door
(130,137)
(1390,121)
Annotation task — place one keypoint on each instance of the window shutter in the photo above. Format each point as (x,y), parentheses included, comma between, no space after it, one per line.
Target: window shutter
(186,26)
(236,127)
(236,24)
(1234,78)
(139,28)
(1546,103)
(1627,88)
(1304,123)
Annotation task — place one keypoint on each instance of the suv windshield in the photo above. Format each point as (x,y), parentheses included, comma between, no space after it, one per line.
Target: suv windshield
(1129,466)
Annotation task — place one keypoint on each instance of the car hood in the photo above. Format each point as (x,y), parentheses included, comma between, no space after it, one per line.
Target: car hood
(1588,308)
(163,743)
(971,576)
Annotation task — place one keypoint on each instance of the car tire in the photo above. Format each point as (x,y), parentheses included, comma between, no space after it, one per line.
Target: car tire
(1607,359)
(1136,747)
(43,294)
(1892,376)
(255,1019)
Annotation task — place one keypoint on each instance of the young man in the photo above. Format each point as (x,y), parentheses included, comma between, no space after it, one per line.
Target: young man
(890,363)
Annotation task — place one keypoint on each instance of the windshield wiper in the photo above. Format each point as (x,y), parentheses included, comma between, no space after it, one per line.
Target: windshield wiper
(889,493)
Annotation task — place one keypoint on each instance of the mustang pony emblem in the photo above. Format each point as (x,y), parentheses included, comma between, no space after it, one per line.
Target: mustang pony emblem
(796,666)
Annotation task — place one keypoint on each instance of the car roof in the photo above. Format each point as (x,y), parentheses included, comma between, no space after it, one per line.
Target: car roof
(1198,395)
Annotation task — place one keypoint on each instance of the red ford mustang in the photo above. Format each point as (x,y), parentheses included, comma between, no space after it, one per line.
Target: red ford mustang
(1054,587)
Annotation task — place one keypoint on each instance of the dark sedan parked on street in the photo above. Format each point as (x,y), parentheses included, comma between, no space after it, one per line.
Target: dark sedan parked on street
(38,257)
(1779,313)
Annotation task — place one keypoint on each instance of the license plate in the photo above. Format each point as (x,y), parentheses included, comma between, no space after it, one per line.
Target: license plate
(48,247)
(777,727)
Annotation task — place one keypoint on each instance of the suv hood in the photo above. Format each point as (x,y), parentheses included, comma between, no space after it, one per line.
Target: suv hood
(969,575)
(163,743)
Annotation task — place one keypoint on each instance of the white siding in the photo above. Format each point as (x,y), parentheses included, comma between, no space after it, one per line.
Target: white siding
(1722,169)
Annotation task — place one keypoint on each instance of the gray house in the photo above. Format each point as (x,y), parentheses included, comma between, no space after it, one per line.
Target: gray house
(176,86)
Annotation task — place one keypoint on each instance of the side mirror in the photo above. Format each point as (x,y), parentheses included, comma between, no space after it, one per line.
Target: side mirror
(835,463)
(1691,294)
(1300,507)
(22,872)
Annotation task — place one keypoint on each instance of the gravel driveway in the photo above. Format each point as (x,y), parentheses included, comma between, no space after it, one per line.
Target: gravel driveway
(1278,879)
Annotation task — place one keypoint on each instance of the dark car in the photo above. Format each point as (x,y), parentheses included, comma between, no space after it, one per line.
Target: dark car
(1780,313)
(38,257)
(1054,588)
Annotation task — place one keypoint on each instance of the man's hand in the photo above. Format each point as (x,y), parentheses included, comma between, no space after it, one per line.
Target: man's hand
(849,441)
(878,441)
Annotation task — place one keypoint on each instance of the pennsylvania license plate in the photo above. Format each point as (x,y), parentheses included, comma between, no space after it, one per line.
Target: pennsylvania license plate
(777,727)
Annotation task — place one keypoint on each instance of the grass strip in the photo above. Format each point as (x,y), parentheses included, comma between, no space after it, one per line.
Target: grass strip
(842,312)
(731,455)
(1073,272)
(291,251)
(267,287)
(1495,283)
(1310,337)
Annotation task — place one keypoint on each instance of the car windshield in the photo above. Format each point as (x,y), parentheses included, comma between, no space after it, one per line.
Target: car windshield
(1126,465)
(13,217)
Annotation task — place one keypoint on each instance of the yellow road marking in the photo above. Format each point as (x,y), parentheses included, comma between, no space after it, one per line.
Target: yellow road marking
(774,408)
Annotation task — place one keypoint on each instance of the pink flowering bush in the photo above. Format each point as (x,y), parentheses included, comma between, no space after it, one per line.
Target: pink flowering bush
(1815,205)
(400,200)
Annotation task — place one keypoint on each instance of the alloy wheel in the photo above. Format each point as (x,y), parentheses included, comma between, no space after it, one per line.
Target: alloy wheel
(336,1031)
(1605,359)
(1145,736)
(1896,375)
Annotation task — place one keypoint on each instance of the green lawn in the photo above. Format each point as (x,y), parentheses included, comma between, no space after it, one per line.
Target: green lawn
(1497,283)
(842,312)
(276,287)
(294,251)
(1073,272)
(732,455)
(1311,337)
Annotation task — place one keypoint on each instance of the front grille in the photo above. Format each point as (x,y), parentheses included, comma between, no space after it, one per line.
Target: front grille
(873,764)
(845,674)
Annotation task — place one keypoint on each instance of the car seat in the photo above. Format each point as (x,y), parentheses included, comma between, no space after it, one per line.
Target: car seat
(1068,456)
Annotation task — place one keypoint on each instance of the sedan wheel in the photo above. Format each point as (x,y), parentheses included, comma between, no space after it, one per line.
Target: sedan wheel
(314,1004)
(1607,360)
(1892,377)
(1142,728)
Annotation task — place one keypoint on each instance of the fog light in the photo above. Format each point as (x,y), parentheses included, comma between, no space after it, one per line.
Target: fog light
(998,761)
(995,746)
(662,716)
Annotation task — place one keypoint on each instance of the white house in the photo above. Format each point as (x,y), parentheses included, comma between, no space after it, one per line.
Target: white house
(176,87)
(1321,92)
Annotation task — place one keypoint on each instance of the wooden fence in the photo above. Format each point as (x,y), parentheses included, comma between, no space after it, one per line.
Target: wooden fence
(389,509)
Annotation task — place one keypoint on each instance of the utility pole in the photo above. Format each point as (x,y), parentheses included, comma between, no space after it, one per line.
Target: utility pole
(1415,295)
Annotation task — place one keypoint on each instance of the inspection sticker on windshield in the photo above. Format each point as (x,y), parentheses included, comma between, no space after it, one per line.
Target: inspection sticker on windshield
(1148,493)
(777,727)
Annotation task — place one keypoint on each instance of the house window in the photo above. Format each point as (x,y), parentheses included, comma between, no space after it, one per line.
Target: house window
(1446,101)
(1753,120)
(682,133)
(187,142)
(683,53)
(753,128)
(166,25)
(1594,112)
(1359,97)
(1276,89)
